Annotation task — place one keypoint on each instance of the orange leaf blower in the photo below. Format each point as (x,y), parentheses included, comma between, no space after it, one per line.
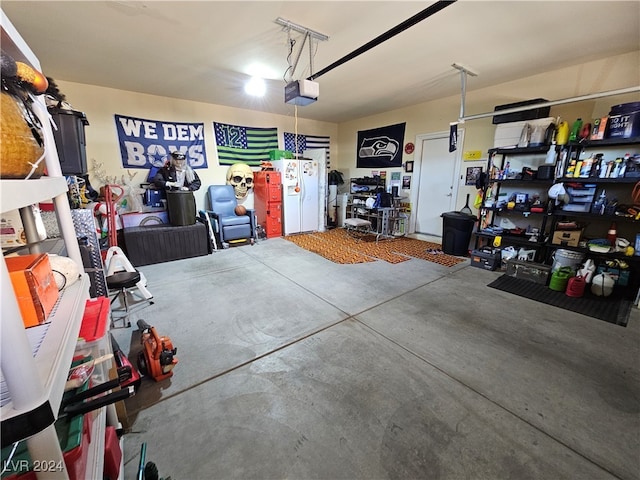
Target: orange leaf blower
(158,355)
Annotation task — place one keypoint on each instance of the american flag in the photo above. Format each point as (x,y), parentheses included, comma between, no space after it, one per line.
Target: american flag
(244,144)
(305,142)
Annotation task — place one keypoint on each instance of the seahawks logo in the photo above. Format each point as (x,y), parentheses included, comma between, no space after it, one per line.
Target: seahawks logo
(383,148)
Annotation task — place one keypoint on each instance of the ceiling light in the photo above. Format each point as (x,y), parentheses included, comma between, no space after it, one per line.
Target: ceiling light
(256,87)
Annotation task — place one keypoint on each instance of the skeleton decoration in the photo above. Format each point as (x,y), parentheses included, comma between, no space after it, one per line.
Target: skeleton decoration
(240,176)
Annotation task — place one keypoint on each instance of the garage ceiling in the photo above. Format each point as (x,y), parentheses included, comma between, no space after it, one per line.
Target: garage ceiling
(204,51)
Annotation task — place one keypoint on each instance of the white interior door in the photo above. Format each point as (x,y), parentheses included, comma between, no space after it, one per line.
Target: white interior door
(436,183)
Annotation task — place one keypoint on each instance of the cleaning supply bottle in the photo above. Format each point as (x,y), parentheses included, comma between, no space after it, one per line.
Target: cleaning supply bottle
(551,154)
(600,204)
(615,171)
(561,165)
(612,234)
(575,130)
(585,169)
(571,168)
(595,168)
(562,134)
(578,167)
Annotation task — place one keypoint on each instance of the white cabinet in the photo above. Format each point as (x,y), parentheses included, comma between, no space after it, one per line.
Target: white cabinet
(33,384)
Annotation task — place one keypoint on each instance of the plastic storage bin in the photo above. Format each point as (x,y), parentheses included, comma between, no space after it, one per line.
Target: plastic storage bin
(94,327)
(456,232)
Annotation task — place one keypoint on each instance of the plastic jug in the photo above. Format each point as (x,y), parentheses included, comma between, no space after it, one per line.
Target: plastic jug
(575,287)
(587,271)
(602,284)
(560,278)
(562,134)
(575,130)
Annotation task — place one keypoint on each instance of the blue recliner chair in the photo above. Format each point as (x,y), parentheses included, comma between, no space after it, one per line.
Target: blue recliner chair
(228,226)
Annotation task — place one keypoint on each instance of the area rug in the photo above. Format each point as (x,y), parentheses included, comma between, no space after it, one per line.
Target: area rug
(610,309)
(340,247)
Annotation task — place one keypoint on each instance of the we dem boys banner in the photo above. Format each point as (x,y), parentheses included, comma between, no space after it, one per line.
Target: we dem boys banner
(381,147)
(148,143)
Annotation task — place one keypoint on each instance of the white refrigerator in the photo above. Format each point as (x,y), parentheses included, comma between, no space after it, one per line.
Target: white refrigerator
(302,207)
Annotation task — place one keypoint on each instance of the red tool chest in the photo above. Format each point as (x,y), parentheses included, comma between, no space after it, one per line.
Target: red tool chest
(267,190)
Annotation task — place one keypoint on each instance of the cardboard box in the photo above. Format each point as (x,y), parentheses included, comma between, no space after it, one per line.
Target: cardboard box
(34,286)
(534,272)
(568,238)
(486,259)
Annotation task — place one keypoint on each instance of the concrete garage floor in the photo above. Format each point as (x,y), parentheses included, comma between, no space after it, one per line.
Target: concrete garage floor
(291,366)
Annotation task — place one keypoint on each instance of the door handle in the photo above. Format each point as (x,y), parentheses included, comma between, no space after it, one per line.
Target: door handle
(449,195)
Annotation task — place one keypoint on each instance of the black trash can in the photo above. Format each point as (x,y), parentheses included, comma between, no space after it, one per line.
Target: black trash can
(181,207)
(456,232)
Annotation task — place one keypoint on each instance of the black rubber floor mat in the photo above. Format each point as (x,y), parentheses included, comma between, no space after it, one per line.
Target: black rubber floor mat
(610,309)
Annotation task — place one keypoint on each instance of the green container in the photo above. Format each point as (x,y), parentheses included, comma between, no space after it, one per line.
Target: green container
(278,154)
(560,279)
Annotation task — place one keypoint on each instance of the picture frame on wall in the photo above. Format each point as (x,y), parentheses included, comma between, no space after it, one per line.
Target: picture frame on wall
(406,182)
(473,173)
(408,166)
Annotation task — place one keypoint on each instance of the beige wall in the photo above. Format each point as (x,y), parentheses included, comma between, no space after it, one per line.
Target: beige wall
(100,104)
(610,74)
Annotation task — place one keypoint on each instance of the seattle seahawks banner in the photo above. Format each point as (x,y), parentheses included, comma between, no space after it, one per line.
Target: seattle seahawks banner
(381,147)
(244,144)
(147,143)
(300,143)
